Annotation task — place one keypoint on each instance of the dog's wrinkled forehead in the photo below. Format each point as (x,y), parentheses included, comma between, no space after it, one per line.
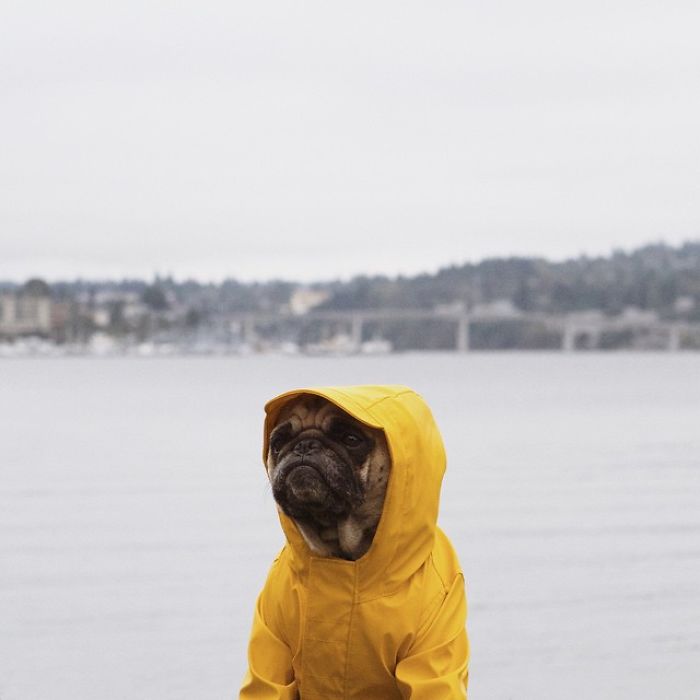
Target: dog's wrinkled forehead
(308,412)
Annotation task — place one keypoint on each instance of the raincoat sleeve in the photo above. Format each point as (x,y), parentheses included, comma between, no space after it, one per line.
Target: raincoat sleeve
(436,664)
(270,675)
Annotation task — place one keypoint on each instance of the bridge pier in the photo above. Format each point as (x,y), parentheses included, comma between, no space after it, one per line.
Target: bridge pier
(356,331)
(462,334)
(249,335)
(674,338)
(568,338)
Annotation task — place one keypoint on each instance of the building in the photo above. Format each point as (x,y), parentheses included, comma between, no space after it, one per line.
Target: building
(304,299)
(27,311)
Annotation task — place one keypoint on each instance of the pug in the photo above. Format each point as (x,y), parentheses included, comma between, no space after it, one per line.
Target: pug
(329,473)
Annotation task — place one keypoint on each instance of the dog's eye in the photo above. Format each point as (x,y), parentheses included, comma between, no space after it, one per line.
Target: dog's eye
(351,439)
(275,446)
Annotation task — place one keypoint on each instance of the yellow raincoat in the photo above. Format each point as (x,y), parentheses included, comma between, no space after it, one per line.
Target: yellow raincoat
(392,623)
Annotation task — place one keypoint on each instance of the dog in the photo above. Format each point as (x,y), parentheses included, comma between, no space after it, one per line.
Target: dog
(366,600)
(328,473)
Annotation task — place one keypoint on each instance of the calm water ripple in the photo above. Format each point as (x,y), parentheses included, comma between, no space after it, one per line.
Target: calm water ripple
(136,525)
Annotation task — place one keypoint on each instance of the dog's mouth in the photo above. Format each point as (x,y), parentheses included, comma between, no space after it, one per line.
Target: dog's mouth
(306,485)
(303,491)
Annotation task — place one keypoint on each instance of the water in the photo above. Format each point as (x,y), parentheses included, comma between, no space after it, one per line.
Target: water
(136,526)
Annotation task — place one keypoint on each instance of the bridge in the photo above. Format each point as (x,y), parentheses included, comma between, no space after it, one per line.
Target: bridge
(572,328)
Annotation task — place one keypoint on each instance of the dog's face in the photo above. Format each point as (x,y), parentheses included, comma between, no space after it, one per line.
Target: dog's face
(328,473)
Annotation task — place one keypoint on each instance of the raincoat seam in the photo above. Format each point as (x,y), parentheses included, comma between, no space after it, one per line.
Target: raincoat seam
(393,591)
(429,624)
(389,396)
(358,406)
(429,613)
(323,641)
(445,587)
(353,605)
(379,596)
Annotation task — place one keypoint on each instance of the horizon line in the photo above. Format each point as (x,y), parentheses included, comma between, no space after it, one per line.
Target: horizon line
(338,279)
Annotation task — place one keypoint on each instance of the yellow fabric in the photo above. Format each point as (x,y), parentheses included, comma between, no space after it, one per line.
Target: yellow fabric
(392,623)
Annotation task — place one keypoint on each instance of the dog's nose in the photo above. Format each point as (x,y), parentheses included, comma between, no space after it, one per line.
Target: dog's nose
(307,447)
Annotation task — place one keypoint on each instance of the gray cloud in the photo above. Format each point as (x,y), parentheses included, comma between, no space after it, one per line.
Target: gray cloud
(311,140)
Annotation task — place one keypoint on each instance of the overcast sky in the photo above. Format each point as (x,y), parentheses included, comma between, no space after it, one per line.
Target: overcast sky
(319,139)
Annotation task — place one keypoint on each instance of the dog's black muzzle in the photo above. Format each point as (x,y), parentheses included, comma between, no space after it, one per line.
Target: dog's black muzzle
(314,481)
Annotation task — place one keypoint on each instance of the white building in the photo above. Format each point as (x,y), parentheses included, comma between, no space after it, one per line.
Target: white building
(304,299)
(26,311)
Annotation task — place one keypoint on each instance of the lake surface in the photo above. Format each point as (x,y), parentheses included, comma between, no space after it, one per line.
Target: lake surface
(136,526)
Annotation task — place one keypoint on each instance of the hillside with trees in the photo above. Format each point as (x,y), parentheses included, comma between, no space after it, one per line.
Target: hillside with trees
(657,281)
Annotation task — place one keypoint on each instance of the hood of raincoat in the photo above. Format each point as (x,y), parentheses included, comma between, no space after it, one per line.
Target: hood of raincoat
(406,532)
